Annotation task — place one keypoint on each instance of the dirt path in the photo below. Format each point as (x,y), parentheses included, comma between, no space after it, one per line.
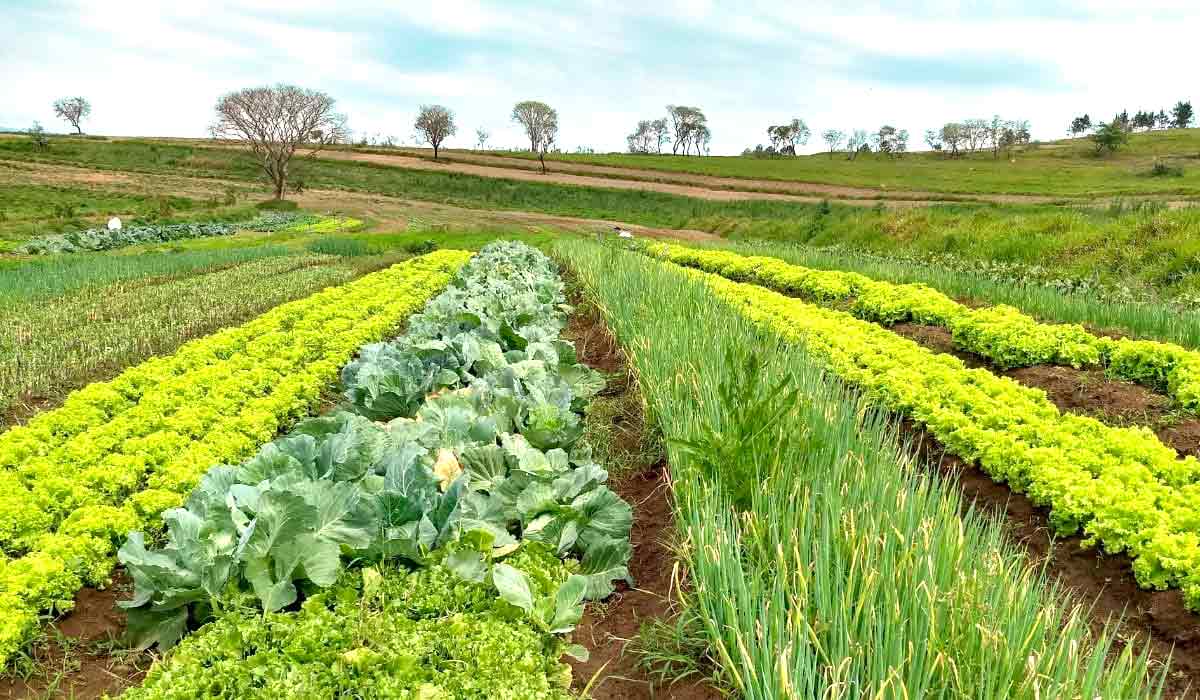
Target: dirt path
(642,478)
(813,190)
(386,213)
(701,187)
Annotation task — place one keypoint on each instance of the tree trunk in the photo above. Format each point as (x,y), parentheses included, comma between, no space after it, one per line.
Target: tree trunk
(78,131)
(435,151)
(542,159)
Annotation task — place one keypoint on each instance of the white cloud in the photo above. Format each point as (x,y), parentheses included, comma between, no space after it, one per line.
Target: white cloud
(158,67)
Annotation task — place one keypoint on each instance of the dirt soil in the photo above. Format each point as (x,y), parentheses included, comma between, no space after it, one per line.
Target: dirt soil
(81,657)
(607,627)
(1082,391)
(697,186)
(1103,583)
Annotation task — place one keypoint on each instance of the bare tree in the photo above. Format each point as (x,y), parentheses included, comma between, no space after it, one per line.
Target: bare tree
(833,138)
(540,122)
(481,138)
(974,133)
(854,144)
(661,132)
(933,139)
(37,136)
(434,124)
(701,137)
(642,138)
(953,136)
(690,127)
(276,122)
(74,110)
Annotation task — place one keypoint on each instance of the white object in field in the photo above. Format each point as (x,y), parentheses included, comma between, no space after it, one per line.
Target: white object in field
(622,233)
(114,224)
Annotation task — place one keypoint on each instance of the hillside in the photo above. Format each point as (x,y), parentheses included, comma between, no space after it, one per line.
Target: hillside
(1069,169)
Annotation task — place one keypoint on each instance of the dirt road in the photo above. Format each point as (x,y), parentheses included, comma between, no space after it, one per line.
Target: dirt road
(711,188)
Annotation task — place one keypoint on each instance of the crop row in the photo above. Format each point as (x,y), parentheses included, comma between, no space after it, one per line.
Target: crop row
(1001,333)
(94,239)
(821,562)
(48,346)
(461,505)
(118,453)
(1121,486)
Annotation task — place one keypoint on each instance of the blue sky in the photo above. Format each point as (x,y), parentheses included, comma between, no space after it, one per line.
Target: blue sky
(153,68)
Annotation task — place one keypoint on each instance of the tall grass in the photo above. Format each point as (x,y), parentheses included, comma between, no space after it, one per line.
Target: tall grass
(823,562)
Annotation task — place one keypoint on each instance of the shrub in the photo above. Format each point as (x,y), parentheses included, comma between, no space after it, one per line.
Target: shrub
(278,205)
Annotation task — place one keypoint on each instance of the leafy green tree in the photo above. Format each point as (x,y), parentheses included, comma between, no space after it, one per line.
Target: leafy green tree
(1080,125)
(1182,114)
(1111,136)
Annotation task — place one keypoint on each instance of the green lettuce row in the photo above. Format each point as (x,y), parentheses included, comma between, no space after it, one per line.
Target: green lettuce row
(471,479)
(1001,333)
(424,634)
(1120,486)
(65,504)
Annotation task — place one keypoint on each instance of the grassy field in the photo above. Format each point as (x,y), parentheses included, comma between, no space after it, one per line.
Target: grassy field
(1146,249)
(30,210)
(1069,168)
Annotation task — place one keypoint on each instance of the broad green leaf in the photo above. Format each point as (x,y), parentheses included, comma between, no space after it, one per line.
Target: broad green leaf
(513,585)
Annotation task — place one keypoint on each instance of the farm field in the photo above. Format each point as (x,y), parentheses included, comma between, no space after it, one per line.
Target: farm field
(453,352)
(1136,249)
(429,422)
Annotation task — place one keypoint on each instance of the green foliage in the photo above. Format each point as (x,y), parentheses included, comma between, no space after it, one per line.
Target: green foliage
(1121,486)
(144,439)
(1110,137)
(106,239)
(839,520)
(343,247)
(455,468)
(278,205)
(422,634)
(50,346)
(1001,333)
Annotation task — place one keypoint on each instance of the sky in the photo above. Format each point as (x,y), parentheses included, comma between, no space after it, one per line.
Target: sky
(157,68)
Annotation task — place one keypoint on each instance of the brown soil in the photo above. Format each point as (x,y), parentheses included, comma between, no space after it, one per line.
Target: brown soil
(81,656)
(696,186)
(1102,581)
(607,627)
(1082,391)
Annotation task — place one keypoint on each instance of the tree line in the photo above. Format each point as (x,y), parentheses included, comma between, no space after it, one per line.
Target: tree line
(1113,134)
(684,128)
